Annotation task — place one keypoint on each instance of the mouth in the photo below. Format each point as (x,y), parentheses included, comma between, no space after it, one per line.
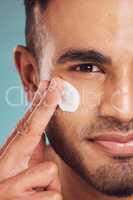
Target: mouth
(115,144)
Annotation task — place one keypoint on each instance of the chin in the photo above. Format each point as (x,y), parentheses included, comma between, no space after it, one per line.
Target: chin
(111,178)
(106,174)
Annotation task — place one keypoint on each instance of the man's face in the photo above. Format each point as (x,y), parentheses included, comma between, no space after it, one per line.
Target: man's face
(83,28)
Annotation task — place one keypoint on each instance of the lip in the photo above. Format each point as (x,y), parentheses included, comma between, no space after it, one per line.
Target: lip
(116,144)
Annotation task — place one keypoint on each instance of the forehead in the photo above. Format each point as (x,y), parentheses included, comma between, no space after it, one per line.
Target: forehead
(104,24)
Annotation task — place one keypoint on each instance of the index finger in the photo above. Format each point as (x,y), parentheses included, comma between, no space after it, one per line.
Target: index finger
(35,101)
(23,144)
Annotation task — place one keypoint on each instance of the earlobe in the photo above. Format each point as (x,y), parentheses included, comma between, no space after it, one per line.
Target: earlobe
(28,70)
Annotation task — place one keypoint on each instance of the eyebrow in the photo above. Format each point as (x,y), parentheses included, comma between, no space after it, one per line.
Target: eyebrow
(83,56)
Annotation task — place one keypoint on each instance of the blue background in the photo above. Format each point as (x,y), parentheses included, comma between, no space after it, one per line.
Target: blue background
(12,22)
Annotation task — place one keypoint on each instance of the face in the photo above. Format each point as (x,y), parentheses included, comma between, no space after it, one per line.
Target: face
(90,45)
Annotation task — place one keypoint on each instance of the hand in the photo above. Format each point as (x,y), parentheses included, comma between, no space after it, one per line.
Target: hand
(23,175)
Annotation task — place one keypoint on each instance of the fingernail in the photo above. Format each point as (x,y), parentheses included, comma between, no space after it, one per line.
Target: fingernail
(54,92)
(52,85)
(56,83)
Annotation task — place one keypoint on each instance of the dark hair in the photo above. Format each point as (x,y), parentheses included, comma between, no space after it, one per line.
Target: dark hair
(30,22)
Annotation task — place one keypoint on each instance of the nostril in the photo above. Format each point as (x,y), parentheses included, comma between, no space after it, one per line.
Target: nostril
(120,114)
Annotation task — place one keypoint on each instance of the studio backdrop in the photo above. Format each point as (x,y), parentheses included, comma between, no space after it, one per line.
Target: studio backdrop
(12,101)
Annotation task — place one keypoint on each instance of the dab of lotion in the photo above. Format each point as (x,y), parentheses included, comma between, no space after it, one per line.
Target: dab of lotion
(70,99)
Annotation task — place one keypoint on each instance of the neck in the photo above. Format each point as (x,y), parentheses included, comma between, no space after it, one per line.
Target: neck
(74,187)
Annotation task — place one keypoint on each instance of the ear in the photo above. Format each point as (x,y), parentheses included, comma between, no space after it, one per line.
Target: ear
(28,70)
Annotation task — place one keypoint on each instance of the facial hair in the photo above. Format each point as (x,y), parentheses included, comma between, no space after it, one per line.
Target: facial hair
(114,179)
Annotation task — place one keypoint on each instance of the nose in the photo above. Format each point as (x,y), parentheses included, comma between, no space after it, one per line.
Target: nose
(117,99)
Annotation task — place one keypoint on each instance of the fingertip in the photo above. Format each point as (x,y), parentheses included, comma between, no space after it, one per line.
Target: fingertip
(57,82)
(43,84)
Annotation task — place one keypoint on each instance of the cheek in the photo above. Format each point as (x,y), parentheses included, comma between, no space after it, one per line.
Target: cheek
(69,126)
(67,122)
(89,102)
(90,90)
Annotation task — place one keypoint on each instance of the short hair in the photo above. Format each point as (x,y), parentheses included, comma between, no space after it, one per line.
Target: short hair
(30,23)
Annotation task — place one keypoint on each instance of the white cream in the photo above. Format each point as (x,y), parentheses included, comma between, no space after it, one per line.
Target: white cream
(70,99)
(46,65)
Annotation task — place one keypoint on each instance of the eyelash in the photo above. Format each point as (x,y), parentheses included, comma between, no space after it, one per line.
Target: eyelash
(82,68)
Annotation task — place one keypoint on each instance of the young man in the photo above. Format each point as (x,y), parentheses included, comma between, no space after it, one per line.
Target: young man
(90,156)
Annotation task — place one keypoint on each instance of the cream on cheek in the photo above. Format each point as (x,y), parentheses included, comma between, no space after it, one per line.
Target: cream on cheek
(71,98)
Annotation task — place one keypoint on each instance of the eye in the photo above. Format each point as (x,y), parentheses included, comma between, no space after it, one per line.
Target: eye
(87,67)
